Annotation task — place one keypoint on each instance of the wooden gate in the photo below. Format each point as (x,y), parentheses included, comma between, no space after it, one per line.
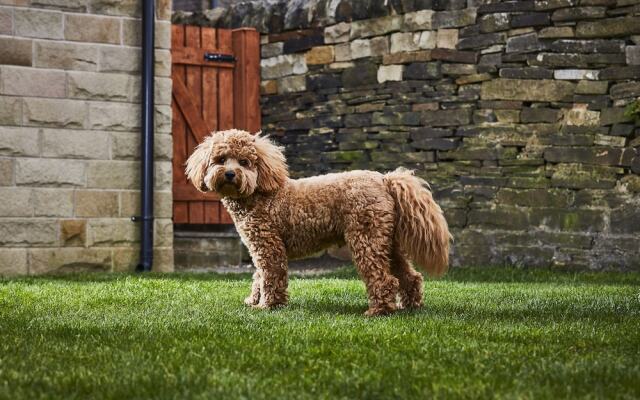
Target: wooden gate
(216,86)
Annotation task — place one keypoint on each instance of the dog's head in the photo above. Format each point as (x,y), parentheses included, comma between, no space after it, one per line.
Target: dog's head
(237,164)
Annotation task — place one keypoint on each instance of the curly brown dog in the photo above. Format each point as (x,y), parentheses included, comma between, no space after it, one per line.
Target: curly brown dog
(385,220)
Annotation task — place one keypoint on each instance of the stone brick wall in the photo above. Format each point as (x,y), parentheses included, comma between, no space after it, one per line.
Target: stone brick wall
(70,135)
(513,110)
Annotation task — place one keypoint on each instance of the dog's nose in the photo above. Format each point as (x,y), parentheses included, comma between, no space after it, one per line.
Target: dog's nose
(229,175)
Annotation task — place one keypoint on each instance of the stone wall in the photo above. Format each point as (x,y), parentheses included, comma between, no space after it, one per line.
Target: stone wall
(70,135)
(514,111)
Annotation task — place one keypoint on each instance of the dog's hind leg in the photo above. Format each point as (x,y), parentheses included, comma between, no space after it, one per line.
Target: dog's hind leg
(254,298)
(410,280)
(370,249)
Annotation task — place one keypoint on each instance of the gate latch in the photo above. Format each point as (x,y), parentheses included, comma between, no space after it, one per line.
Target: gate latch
(219,57)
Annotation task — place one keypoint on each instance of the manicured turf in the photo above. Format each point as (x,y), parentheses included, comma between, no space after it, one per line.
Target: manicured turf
(483,333)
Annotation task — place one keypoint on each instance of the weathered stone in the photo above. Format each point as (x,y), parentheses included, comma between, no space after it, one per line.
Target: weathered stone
(576,74)
(609,116)
(129,8)
(523,44)
(633,55)
(375,27)
(119,59)
(271,50)
(6,21)
(611,141)
(360,48)
(447,38)
(532,19)
(543,5)
(338,33)
(344,156)
(580,116)
(625,220)
(112,232)
(303,43)
(19,141)
(572,60)
(494,22)
(65,260)
(553,32)
(390,73)
(73,232)
(565,220)
(407,57)
(405,41)
(13,262)
(269,87)
(114,116)
(33,82)
(454,19)
(6,172)
(526,73)
(419,20)
(526,90)
(51,54)
(38,23)
(508,6)
(319,55)
(436,144)
(379,46)
(15,202)
(467,57)
(475,78)
(622,130)
(609,27)
(29,232)
(578,13)
(50,172)
(429,70)
(90,28)
(620,73)
(54,112)
(52,202)
(103,86)
(15,51)
(453,117)
(277,67)
(481,41)
(558,198)
(361,74)
(530,114)
(588,46)
(591,87)
(584,155)
(291,84)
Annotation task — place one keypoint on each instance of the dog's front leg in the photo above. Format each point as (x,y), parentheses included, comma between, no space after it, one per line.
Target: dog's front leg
(271,262)
(254,298)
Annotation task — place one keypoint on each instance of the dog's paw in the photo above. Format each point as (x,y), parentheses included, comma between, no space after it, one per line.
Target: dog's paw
(251,301)
(380,311)
(265,306)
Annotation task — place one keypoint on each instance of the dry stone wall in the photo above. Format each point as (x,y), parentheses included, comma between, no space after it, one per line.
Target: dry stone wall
(513,110)
(70,136)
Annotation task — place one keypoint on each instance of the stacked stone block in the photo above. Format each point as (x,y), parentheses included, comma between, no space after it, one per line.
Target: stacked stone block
(70,136)
(513,110)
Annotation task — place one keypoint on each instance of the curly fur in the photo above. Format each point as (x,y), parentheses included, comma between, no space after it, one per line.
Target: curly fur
(386,220)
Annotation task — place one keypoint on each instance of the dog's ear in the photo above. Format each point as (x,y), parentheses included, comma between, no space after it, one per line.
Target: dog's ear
(271,165)
(197,164)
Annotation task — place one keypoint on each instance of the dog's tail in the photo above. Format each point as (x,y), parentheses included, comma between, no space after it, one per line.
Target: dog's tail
(421,229)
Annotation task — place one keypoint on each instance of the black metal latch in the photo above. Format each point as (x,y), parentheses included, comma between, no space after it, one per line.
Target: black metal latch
(219,57)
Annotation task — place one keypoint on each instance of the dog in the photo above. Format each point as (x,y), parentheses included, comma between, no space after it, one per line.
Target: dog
(386,220)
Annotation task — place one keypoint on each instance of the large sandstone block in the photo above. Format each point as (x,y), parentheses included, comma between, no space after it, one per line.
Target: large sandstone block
(49,172)
(10,110)
(103,86)
(527,90)
(6,171)
(52,54)
(111,232)
(20,81)
(15,51)
(92,28)
(61,143)
(119,59)
(52,202)
(114,116)
(73,232)
(55,113)
(127,8)
(13,262)
(70,259)
(126,146)
(30,22)
(19,141)
(15,202)
(96,203)
(162,204)
(113,175)
(6,21)
(28,232)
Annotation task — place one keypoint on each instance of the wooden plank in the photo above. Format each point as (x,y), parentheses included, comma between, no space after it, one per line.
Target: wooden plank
(188,192)
(196,212)
(212,212)
(194,56)
(210,83)
(225,218)
(246,46)
(180,212)
(225,84)
(190,111)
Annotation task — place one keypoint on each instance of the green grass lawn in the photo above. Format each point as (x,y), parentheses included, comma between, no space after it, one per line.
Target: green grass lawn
(500,333)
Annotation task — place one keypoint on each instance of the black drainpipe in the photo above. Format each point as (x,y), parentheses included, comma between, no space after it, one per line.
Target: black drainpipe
(146,245)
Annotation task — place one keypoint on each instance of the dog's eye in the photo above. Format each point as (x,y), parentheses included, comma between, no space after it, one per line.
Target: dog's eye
(221,160)
(244,162)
